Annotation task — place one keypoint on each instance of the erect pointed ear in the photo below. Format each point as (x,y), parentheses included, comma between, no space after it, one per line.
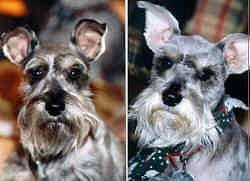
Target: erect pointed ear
(161,25)
(235,49)
(88,38)
(18,44)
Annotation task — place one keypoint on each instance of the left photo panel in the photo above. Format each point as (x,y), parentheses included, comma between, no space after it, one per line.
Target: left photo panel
(62,90)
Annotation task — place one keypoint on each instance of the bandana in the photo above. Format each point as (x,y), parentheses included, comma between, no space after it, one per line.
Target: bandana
(151,162)
(224,114)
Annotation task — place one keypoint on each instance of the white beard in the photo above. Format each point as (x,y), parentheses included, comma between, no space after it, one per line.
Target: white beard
(159,125)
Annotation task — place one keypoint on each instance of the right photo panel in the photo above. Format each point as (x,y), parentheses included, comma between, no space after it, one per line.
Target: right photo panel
(188,90)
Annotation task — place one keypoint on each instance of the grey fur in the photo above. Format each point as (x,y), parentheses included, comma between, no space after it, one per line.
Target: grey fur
(58,27)
(191,120)
(72,145)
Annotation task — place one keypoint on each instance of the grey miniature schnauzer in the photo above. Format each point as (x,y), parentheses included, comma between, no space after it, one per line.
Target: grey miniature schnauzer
(61,134)
(185,123)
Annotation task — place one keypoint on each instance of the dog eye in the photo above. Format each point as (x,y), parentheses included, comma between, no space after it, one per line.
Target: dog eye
(205,74)
(75,73)
(163,64)
(37,73)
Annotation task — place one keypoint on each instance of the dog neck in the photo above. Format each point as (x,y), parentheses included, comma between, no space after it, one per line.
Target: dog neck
(158,159)
(223,114)
(37,167)
(176,156)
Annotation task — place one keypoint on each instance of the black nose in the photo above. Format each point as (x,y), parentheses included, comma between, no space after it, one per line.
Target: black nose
(55,103)
(172,95)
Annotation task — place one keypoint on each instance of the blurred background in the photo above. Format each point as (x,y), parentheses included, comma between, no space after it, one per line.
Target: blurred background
(54,20)
(211,19)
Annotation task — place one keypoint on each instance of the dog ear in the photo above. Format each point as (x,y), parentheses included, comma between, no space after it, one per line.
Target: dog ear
(235,49)
(160,24)
(18,44)
(88,38)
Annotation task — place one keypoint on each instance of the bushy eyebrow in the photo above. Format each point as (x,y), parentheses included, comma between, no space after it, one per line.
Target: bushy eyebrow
(62,55)
(33,62)
(75,60)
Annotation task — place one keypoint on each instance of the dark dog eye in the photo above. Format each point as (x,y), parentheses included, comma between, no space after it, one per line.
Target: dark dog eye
(75,73)
(163,64)
(37,73)
(205,74)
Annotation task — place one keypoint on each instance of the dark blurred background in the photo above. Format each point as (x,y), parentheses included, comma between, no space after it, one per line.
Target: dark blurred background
(211,19)
(20,12)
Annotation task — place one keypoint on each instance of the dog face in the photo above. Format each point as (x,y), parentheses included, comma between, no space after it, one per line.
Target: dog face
(187,79)
(57,115)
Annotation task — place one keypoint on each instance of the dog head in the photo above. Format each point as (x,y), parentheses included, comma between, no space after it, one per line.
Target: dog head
(57,114)
(187,80)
